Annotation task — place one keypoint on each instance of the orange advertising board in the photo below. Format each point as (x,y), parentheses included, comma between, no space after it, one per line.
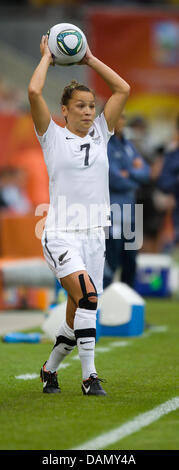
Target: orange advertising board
(141,45)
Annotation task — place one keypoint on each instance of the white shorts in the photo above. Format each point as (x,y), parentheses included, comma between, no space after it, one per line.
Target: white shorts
(67,252)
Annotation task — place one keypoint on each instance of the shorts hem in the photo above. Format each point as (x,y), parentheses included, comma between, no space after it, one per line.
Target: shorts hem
(69,271)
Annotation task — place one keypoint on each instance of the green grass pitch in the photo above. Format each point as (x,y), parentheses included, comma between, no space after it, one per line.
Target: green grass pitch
(140,376)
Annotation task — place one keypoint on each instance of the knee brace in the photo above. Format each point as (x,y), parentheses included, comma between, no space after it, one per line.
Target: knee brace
(84,302)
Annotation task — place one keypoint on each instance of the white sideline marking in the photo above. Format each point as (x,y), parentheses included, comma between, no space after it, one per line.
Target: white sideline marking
(102,349)
(27,376)
(75,358)
(120,344)
(63,366)
(114,344)
(155,329)
(34,376)
(136,424)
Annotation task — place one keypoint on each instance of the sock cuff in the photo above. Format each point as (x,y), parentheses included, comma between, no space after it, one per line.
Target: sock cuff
(65,335)
(65,330)
(85,314)
(63,339)
(69,332)
(85,333)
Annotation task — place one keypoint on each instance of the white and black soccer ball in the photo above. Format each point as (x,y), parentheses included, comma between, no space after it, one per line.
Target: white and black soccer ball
(67,43)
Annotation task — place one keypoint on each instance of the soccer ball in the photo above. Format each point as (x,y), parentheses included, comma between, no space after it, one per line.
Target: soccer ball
(67,43)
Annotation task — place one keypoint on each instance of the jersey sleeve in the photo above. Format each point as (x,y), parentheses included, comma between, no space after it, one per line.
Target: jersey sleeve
(101,123)
(47,140)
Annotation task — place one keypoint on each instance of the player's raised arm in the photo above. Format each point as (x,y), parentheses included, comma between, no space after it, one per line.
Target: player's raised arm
(39,108)
(120,89)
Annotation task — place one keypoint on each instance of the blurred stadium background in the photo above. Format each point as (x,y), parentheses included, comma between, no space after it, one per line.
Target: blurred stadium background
(140,39)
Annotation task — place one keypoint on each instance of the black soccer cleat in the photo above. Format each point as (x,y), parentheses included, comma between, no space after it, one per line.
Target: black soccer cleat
(50,381)
(92,386)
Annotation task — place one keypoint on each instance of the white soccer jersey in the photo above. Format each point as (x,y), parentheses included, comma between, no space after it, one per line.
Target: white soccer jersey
(78,177)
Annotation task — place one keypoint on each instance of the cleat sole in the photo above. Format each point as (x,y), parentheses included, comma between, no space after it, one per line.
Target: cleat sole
(97,393)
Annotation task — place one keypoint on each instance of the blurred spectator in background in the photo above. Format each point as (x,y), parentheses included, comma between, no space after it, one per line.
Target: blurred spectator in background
(25,153)
(157,206)
(30,160)
(137,133)
(168,181)
(13,197)
(127,170)
(132,2)
(20,152)
(174,143)
(11,99)
(43,3)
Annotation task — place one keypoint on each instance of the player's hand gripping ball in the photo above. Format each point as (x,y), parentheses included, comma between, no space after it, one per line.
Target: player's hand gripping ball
(67,43)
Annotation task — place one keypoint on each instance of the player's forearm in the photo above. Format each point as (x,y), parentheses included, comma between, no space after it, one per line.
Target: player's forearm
(37,81)
(113,80)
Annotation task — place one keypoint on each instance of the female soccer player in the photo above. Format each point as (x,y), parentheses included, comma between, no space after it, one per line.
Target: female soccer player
(77,163)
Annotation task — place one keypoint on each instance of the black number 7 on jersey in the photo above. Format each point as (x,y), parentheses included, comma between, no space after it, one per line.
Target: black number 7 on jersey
(86,147)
